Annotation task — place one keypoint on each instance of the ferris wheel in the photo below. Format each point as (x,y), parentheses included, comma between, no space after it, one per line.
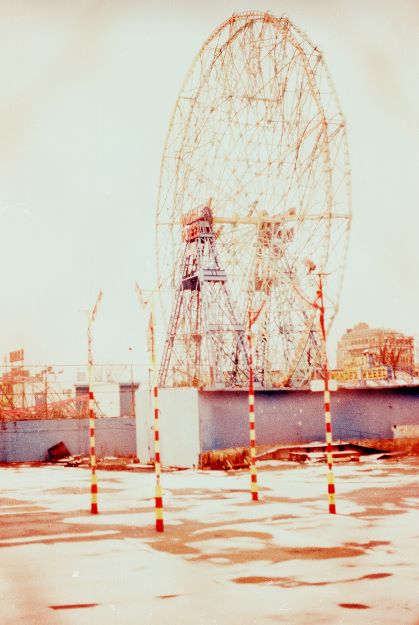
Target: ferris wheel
(257,135)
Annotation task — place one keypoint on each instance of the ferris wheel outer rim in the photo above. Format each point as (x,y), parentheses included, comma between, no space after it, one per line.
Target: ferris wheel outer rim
(311,78)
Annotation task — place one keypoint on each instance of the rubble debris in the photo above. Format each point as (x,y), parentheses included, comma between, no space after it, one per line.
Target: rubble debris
(225,459)
(320,456)
(343,451)
(233,459)
(81,460)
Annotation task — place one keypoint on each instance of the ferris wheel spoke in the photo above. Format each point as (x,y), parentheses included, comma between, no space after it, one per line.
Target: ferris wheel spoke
(257,133)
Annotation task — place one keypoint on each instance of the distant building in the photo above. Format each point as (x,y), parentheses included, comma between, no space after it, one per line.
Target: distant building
(362,345)
(112,399)
(127,399)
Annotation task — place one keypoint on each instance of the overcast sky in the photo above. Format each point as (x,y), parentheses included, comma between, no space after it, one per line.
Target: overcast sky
(87,89)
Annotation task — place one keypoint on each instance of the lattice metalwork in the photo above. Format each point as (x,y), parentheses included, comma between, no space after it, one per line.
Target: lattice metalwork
(205,342)
(257,127)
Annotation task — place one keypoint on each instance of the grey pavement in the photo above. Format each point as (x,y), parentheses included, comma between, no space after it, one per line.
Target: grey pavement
(222,558)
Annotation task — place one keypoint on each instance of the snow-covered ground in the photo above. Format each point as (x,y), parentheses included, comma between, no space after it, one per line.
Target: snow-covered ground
(222,559)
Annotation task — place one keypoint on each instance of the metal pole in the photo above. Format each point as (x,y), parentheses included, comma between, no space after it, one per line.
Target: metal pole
(151,348)
(46,392)
(157,465)
(132,411)
(252,432)
(253,469)
(327,413)
(92,416)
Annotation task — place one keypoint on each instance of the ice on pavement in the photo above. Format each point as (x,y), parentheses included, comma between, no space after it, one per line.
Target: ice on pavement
(222,558)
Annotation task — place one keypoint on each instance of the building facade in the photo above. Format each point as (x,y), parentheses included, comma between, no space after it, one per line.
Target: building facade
(374,347)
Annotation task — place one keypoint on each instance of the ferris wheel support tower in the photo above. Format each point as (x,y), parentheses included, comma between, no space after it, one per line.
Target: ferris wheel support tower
(205,343)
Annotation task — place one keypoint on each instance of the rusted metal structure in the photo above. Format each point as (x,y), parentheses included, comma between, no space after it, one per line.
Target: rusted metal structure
(205,342)
(25,396)
(258,128)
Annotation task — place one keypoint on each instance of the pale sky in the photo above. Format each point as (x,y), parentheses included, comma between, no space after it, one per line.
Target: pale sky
(87,89)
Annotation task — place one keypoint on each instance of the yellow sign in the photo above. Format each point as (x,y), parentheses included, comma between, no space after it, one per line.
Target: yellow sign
(16,356)
(376,373)
(344,375)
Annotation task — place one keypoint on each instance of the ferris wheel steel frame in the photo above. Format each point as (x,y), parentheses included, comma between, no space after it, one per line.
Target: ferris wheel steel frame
(258,134)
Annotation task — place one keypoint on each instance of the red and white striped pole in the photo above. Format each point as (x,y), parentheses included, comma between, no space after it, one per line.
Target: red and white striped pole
(92,415)
(151,348)
(157,465)
(252,431)
(93,482)
(327,413)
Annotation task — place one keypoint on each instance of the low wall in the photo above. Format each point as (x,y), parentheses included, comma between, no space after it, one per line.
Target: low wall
(284,416)
(194,421)
(25,441)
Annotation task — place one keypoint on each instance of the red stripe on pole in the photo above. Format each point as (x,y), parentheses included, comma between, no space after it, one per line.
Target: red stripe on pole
(90,394)
(251,402)
(327,414)
(158,493)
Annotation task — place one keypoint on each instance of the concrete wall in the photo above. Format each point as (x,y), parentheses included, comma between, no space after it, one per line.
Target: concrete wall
(24,441)
(297,416)
(373,412)
(192,421)
(116,437)
(178,426)
(280,417)
(144,425)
